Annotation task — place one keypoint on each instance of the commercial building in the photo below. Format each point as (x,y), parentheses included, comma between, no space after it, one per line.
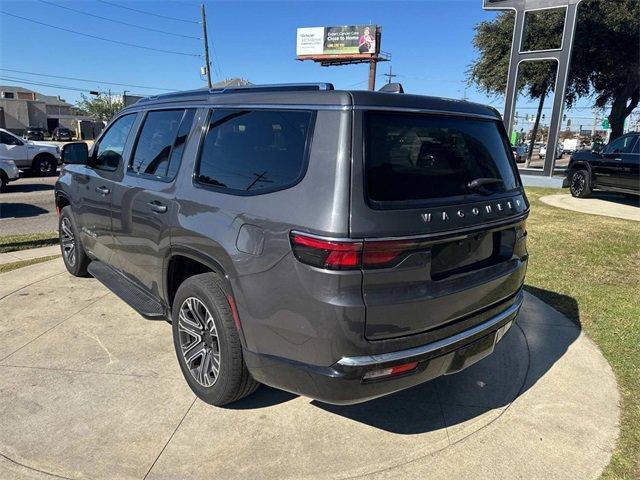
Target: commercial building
(21,108)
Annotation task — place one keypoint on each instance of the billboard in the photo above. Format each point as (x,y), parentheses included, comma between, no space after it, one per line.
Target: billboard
(345,40)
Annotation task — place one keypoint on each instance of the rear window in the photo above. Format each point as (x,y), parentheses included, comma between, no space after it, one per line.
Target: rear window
(248,152)
(415,158)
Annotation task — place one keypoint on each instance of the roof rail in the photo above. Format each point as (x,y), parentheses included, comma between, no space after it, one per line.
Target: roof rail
(281,87)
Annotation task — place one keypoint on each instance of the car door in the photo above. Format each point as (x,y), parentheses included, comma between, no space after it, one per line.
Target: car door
(95,184)
(144,203)
(15,149)
(630,177)
(611,171)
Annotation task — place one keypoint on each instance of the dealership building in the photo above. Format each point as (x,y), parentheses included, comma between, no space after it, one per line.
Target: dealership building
(21,108)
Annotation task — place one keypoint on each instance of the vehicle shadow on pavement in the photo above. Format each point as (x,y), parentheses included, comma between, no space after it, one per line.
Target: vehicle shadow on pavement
(27,187)
(526,353)
(21,210)
(632,201)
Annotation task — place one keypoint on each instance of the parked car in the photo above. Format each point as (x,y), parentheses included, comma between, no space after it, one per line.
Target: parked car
(543,151)
(341,245)
(520,152)
(8,172)
(39,157)
(570,145)
(616,168)
(34,133)
(61,134)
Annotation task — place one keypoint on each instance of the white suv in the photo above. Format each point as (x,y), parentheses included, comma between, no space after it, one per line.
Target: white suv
(8,172)
(41,158)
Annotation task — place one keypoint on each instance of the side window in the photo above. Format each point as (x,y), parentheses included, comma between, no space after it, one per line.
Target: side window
(153,148)
(621,145)
(248,151)
(107,154)
(636,148)
(7,139)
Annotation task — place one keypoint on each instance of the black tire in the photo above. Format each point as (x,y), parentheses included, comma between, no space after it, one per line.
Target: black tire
(45,165)
(3,181)
(580,183)
(76,264)
(232,381)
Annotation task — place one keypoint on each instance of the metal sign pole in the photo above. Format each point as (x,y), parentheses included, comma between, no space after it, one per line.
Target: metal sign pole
(562,56)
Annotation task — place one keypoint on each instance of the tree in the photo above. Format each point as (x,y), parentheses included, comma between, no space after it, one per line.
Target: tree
(607,56)
(535,79)
(100,107)
(605,62)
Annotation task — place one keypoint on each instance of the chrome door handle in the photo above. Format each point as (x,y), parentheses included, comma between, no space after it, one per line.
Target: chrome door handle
(157,207)
(103,190)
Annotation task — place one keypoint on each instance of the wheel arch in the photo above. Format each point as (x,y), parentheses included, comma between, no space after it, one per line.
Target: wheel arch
(580,165)
(62,200)
(41,155)
(184,262)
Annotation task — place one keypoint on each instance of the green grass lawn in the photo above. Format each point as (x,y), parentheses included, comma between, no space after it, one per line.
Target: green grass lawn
(596,261)
(11,243)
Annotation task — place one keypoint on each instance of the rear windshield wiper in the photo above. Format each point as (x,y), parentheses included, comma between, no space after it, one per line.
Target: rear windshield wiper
(479,183)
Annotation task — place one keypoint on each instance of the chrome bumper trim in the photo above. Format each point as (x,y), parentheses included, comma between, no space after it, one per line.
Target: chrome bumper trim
(369,360)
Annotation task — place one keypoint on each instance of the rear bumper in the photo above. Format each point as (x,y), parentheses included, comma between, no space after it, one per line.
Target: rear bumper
(342,383)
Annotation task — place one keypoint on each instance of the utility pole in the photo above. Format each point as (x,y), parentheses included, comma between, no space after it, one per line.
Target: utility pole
(206,45)
(389,75)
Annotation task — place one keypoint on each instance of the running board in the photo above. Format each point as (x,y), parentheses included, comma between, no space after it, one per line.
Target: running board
(134,296)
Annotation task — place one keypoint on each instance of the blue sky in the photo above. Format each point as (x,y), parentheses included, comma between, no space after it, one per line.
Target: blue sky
(430,43)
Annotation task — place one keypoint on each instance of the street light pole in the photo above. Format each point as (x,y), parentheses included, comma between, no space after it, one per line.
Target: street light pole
(206,45)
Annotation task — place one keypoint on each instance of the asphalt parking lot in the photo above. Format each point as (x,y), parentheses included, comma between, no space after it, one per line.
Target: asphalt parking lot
(28,206)
(89,389)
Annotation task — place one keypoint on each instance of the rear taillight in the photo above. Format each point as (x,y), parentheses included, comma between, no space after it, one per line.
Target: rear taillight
(334,255)
(387,253)
(351,255)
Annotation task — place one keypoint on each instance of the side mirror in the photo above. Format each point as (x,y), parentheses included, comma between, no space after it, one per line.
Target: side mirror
(76,153)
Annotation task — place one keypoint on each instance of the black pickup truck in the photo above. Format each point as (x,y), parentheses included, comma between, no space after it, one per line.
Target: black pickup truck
(616,168)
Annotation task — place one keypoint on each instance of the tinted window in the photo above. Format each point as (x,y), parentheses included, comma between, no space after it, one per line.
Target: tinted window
(414,157)
(636,148)
(180,142)
(153,148)
(621,145)
(7,139)
(107,155)
(253,151)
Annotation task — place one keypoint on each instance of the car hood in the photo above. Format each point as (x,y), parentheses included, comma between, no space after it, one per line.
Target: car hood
(45,147)
(584,155)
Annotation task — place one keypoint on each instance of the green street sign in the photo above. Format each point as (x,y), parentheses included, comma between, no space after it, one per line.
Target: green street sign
(605,124)
(514,137)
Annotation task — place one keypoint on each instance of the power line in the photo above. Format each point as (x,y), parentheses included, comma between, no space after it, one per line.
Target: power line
(21,80)
(86,80)
(101,38)
(53,85)
(118,21)
(148,13)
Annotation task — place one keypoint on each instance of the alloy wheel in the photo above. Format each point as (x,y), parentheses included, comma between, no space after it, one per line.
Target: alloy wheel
(68,241)
(45,166)
(577,183)
(199,344)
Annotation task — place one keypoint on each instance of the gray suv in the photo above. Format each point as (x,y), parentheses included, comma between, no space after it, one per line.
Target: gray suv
(341,245)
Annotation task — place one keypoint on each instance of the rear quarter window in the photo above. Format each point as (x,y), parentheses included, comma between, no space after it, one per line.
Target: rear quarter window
(418,158)
(249,152)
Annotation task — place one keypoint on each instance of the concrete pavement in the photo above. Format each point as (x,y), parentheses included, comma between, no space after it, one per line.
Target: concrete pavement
(89,389)
(28,206)
(606,204)
(29,254)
